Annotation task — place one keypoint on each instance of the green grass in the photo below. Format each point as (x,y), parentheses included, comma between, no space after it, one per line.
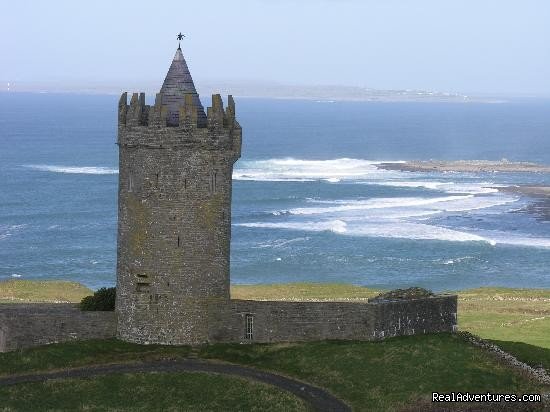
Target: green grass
(383,375)
(521,315)
(74,354)
(32,291)
(303,292)
(149,392)
(530,354)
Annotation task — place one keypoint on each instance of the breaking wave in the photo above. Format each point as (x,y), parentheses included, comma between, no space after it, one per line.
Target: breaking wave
(289,169)
(400,207)
(403,230)
(87,170)
(448,187)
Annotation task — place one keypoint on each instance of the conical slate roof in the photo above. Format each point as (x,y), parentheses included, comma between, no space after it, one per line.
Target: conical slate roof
(177,84)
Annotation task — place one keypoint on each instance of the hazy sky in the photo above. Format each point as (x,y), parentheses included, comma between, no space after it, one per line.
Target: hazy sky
(488,46)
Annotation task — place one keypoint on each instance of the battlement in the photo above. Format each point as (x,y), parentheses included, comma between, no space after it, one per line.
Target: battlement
(155,126)
(138,114)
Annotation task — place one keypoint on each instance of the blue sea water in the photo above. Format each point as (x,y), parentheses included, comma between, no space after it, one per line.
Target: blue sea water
(309,202)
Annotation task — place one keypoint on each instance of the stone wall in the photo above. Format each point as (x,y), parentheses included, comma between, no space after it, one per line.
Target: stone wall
(276,321)
(26,325)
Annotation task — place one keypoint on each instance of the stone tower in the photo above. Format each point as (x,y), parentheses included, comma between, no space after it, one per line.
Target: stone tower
(174,212)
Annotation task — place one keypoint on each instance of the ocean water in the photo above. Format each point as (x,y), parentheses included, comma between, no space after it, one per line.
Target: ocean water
(309,201)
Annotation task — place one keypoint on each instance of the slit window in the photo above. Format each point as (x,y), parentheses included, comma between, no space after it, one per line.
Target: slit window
(130,183)
(249,332)
(213,178)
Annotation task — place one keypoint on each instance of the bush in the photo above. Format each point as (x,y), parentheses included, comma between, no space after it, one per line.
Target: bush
(102,299)
(403,294)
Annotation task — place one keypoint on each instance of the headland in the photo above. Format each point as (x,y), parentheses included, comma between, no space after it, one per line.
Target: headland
(465,166)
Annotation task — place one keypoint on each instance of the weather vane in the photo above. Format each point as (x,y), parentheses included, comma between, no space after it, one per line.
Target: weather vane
(180,38)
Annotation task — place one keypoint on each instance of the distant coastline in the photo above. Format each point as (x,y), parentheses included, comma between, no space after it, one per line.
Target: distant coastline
(321,93)
(465,166)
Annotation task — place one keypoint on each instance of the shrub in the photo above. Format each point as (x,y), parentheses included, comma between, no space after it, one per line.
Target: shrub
(403,294)
(102,299)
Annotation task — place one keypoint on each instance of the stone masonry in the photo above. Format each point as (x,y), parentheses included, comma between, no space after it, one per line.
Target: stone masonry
(174,217)
(26,325)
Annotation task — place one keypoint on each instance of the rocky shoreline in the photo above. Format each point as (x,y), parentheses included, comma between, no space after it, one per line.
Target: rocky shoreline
(541,194)
(465,166)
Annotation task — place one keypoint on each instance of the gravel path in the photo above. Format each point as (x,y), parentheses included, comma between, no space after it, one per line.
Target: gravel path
(319,399)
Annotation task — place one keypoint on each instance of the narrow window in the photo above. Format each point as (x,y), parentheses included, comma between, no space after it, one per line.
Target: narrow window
(178,241)
(130,182)
(212,183)
(249,327)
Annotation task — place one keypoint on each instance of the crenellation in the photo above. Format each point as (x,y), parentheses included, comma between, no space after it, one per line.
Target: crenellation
(155,113)
(133,114)
(229,115)
(122,109)
(215,114)
(137,114)
(188,114)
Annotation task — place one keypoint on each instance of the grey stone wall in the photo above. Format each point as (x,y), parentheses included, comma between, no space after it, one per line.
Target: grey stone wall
(26,325)
(23,325)
(174,219)
(276,321)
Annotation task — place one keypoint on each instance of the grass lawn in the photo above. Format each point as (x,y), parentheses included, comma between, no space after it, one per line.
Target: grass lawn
(520,315)
(149,392)
(386,375)
(32,291)
(81,353)
(303,292)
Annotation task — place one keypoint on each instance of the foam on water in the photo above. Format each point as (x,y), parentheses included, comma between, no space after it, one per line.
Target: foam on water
(290,169)
(448,187)
(389,229)
(378,203)
(512,239)
(336,226)
(87,170)
(390,217)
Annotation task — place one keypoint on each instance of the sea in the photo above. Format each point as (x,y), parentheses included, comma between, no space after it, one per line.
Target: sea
(309,203)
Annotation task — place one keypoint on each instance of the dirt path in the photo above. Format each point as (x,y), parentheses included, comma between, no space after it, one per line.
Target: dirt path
(319,399)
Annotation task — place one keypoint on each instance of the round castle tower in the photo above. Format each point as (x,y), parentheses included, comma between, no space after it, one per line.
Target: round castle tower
(174,212)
